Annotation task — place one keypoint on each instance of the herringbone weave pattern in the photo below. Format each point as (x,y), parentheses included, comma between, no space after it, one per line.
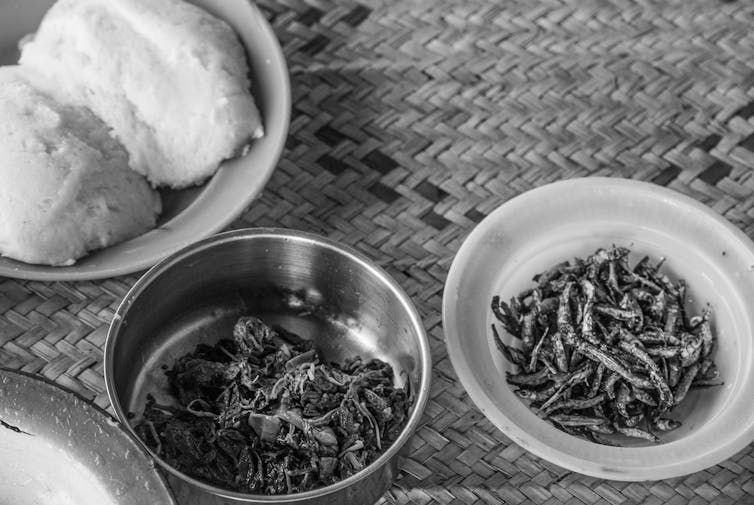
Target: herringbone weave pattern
(412,120)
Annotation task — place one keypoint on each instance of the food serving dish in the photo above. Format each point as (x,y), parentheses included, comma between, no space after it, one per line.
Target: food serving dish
(306,284)
(573,218)
(197,212)
(58,448)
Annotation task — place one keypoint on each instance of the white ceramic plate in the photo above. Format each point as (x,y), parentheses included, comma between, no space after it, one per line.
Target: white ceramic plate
(573,218)
(62,450)
(190,214)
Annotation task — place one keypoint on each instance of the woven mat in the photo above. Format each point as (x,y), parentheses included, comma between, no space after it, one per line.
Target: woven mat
(412,120)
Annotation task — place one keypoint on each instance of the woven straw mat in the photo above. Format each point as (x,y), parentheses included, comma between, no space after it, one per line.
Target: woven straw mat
(412,120)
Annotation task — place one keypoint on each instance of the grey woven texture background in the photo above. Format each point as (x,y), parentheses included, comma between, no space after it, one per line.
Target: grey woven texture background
(412,120)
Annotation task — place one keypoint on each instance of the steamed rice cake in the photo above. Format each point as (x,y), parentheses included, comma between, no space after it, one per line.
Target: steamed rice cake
(66,185)
(167,77)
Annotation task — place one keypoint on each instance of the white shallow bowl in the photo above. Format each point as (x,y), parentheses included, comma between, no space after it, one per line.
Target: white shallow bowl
(573,218)
(194,213)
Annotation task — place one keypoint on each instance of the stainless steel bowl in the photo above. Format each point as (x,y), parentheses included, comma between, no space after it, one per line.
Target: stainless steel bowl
(310,285)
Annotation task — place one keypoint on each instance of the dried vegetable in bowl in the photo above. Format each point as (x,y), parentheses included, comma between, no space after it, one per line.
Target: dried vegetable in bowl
(606,348)
(264,414)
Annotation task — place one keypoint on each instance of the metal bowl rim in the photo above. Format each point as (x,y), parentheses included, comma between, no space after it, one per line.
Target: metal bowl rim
(285,234)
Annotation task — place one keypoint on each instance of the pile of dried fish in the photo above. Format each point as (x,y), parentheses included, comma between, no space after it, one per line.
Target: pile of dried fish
(605,348)
(263,414)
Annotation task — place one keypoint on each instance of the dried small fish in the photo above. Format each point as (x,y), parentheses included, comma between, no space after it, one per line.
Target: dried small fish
(674,372)
(652,287)
(616,313)
(598,438)
(630,303)
(512,354)
(587,319)
(604,428)
(539,395)
(506,317)
(609,385)
(528,332)
(573,404)
(642,295)
(576,377)
(612,279)
(534,357)
(575,359)
(672,315)
(576,420)
(685,383)
(708,370)
(664,351)
(644,397)
(558,349)
(666,395)
(596,381)
(548,306)
(564,320)
(653,336)
(603,356)
(537,378)
(665,424)
(621,400)
(604,347)
(691,349)
(552,273)
(636,433)
(708,340)
(633,421)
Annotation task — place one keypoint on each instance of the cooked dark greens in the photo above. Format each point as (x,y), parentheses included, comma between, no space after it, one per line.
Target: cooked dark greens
(606,348)
(264,414)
